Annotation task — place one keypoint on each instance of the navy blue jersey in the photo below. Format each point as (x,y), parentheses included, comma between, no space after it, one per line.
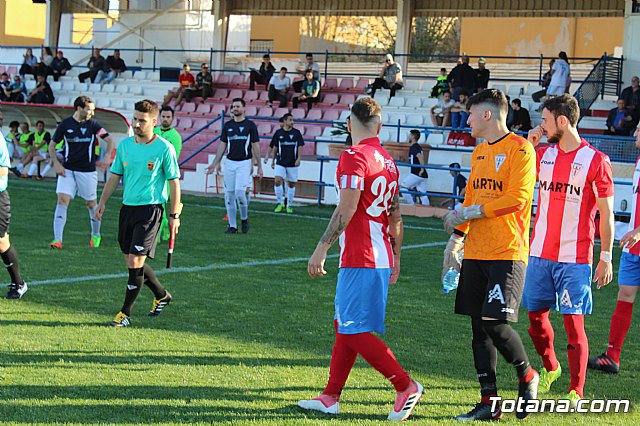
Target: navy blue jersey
(80,140)
(414,150)
(239,136)
(288,143)
(461,183)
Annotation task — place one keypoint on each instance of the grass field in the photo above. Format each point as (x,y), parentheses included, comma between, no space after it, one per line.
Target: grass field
(248,333)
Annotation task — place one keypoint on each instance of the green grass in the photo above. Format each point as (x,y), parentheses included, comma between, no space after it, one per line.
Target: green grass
(240,344)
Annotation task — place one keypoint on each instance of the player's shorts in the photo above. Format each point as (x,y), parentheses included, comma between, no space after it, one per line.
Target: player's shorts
(236,175)
(629,270)
(5,213)
(290,174)
(361,299)
(85,184)
(490,289)
(561,286)
(556,90)
(138,229)
(414,181)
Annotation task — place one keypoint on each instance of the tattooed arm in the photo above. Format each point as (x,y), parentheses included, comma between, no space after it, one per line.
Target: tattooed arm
(396,231)
(339,220)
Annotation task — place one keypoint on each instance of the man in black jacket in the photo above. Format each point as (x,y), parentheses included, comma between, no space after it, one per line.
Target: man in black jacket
(96,63)
(462,78)
(263,75)
(59,66)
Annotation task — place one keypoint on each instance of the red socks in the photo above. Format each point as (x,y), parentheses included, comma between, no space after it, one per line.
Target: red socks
(620,323)
(577,351)
(542,336)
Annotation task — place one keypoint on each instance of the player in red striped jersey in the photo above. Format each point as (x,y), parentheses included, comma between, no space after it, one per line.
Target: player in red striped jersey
(628,281)
(574,180)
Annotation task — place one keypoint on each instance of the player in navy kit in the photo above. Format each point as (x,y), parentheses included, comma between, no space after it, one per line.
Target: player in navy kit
(240,142)
(285,151)
(77,172)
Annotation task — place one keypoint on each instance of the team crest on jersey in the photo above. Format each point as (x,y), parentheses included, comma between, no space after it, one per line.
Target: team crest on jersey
(499,159)
(150,165)
(291,136)
(495,294)
(83,130)
(566,300)
(575,169)
(378,157)
(241,129)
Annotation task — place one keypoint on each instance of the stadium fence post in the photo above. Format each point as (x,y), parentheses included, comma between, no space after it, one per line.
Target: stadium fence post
(398,132)
(604,75)
(320,182)
(540,70)
(154,58)
(326,64)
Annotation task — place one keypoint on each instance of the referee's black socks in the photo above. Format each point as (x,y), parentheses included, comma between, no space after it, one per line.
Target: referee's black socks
(133,289)
(151,281)
(10,259)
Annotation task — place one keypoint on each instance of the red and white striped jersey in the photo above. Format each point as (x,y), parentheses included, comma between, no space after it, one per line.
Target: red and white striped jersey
(365,241)
(568,185)
(634,221)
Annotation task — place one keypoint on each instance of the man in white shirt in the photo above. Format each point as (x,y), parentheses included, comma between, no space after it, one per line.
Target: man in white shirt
(279,87)
(559,76)
(441,112)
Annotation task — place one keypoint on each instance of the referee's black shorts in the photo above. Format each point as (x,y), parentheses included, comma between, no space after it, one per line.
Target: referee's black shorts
(138,229)
(5,213)
(490,289)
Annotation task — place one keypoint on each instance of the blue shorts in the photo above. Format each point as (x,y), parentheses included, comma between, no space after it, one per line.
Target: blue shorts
(361,299)
(565,287)
(629,270)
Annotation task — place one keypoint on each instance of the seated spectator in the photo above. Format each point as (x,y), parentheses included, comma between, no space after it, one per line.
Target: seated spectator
(441,112)
(509,112)
(521,119)
(44,66)
(390,78)
(113,66)
(204,83)
(546,79)
(28,63)
(459,113)
(310,65)
(5,84)
(310,92)
(417,179)
(96,64)
(187,85)
(619,120)
(262,75)
(12,140)
(441,84)
(17,91)
(460,186)
(560,74)
(482,76)
(42,93)
(279,86)
(59,66)
(631,96)
(462,78)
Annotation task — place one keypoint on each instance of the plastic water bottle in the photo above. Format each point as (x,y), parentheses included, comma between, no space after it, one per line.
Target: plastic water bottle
(450,281)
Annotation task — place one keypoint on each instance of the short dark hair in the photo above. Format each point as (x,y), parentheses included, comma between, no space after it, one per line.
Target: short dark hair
(443,69)
(365,110)
(446,91)
(186,65)
(4,73)
(82,101)
(116,50)
(309,55)
(167,108)
(39,121)
(517,102)
(14,124)
(284,117)
(239,100)
(147,106)
(565,105)
(563,55)
(492,97)
(284,69)
(454,166)
(266,56)
(463,92)
(415,133)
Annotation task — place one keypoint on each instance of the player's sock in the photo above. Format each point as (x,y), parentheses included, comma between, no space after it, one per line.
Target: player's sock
(230,202)
(134,285)
(33,168)
(542,335)
(485,358)
(241,196)
(59,220)
(509,344)
(10,259)
(342,360)
(46,170)
(408,198)
(380,357)
(620,323)
(95,224)
(577,351)
(279,189)
(248,198)
(151,281)
(291,193)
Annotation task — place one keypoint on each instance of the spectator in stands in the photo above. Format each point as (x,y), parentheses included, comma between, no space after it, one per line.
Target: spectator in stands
(441,112)
(96,64)
(482,76)
(262,75)
(113,66)
(279,86)
(460,186)
(560,74)
(417,179)
(5,84)
(390,77)
(441,84)
(42,93)
(521,119)
(631,96)
(462,78)
(310,92)
(204,83)
(620,121)
(28,63)
(17,90)
(187,83)
(310,65)
(509,112)
(459,112)
(44,66)
(59,66)
(546,80)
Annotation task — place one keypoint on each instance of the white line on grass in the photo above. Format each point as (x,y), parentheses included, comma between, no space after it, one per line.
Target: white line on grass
(212,267)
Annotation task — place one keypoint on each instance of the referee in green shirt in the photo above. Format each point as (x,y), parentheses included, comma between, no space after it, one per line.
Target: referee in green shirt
(145,162)
(170,134)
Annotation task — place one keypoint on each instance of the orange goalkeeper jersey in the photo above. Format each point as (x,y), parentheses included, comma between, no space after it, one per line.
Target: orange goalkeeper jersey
(502,180)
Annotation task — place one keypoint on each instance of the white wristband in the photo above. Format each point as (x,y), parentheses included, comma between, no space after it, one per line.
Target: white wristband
(605,256)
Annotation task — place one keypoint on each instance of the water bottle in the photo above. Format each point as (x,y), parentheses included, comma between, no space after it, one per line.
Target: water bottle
(450,281)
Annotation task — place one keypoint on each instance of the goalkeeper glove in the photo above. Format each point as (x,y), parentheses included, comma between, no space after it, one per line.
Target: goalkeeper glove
(451,253)
(465,214)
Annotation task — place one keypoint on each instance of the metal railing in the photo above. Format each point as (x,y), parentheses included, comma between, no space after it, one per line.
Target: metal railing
(604,79)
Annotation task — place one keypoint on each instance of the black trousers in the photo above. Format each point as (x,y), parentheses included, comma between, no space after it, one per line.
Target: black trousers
(381,83)
(276,95)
